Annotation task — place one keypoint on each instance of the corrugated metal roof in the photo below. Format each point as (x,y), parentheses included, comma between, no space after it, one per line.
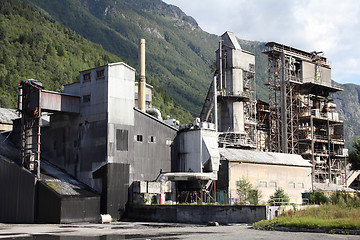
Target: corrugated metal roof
(331,187)
(233,154)
(7,115)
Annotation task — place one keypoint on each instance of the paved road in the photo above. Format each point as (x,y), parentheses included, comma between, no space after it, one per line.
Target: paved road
(125,230)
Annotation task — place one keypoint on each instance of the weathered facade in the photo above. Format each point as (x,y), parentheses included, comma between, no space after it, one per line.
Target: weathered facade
(265,171)
(110,143)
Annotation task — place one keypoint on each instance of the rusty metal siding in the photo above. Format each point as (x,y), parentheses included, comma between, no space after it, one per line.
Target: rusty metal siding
(52,101)
(17,197)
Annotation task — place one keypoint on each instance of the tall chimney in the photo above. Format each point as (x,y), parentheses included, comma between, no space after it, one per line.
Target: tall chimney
(142,80)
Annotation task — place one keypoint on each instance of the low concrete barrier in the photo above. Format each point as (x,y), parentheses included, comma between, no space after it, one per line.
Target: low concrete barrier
(197,213)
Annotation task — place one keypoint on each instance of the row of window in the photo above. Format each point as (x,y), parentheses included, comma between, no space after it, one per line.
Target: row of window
(151,139)
(122,137)
(100,74)
(273,184)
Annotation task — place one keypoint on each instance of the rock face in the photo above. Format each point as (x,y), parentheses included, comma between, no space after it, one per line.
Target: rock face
(348,106)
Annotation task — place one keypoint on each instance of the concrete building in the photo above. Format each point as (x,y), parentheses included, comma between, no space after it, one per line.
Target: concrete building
(266,171)
(110,144)
(234,90)
(96,136)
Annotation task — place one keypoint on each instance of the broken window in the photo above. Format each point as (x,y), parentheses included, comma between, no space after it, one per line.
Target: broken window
(87,77)
(139,138)
(121,140)
(152,139)
(100,74)
(86,98)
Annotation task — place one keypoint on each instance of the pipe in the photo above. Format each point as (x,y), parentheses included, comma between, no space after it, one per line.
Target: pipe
(215,105)
(154,112)
(220,65)
(142,80)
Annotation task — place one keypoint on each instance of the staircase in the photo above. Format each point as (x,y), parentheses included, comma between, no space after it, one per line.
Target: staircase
(208,104)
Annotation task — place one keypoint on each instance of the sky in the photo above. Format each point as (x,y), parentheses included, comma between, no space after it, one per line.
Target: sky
(330,26)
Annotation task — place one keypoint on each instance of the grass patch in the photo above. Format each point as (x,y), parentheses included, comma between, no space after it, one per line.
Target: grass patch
(328,216)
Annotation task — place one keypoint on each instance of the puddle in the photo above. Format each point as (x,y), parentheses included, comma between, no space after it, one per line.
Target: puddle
(102,237)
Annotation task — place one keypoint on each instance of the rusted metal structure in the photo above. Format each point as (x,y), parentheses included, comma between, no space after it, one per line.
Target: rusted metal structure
(302,116)
(30,108)
(33,100)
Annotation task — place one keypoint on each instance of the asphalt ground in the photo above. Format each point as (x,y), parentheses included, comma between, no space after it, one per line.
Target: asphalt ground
(142,230)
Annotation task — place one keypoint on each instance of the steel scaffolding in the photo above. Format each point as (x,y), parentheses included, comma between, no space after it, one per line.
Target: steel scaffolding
(302,117)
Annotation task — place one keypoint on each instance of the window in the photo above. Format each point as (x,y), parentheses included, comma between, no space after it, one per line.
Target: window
(86,98)
(273,184)
(152,139)
(263,184)
(300,185)
(139,138)
(87,77)
(291,185)
(121,140)
(100,74)
(251,67)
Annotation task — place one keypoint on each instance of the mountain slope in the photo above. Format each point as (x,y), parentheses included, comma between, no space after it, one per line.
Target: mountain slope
(33,45)
(179,53)
(177,50)
(348,105)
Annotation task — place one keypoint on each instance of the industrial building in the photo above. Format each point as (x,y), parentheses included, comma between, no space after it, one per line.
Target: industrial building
(303,118)
(91,150)
(101,145)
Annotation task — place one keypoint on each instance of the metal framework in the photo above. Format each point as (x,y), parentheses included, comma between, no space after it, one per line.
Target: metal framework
(30,108)
(302,119)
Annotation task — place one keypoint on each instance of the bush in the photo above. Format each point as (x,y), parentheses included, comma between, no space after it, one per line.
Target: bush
(317,198)
(247,194)
(279,198)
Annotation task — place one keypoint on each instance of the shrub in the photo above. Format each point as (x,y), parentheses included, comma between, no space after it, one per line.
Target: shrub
(317,198)
(247,194)
(279,198)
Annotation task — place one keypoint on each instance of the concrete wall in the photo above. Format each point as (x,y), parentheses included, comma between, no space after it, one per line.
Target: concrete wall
(267,178)
(120,97)
(308,74)
(110,144)
(197,213)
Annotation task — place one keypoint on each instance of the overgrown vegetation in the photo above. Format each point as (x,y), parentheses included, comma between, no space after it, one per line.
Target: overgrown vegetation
(317,197)
(247,193)
(341,211)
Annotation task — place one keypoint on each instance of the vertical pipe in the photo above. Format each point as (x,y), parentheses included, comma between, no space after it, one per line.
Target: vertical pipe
(283,106)
(312,152)
(220,65)
(215,105)
(142,80)
(329,152)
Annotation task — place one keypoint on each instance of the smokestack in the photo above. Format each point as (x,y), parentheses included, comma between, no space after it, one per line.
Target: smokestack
(142,80)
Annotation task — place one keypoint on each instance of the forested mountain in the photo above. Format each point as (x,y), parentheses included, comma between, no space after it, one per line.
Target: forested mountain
(33,45)
(179,55)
